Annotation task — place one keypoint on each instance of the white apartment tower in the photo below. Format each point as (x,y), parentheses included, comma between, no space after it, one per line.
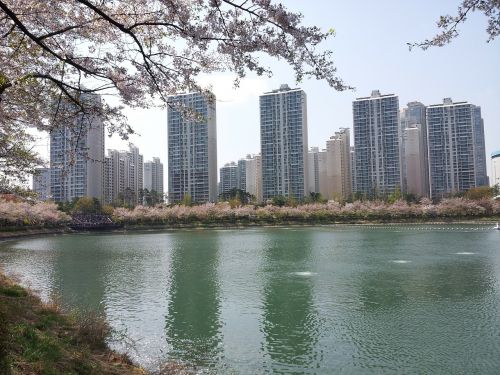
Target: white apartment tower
(495,168)
(192,148)
(411,117)
(228,177)
(414,160)
(313,169)
(41,183)
(377,145)
(77,158)
(338,166)
(253,178)
(455,136)
(153,176)
(283,137)
(123,176)
(322,172)
(354,186)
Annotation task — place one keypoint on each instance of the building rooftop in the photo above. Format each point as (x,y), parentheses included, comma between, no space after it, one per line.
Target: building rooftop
(283,88)
(447,101)
(375,95)
(495,154)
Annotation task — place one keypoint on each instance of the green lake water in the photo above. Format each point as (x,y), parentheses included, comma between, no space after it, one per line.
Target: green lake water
(409,299)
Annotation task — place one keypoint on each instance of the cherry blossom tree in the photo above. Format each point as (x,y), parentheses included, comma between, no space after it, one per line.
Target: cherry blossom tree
(449,24)
(55,53)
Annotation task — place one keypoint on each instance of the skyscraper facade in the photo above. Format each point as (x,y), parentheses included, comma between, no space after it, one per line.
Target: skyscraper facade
(495,168)
(192,148)
(123,176)
(283,131)
(322,173)
(153,176)
(228,177)
(414,161)
(114,176)
(377,144)
(241,174)
(414,115)
(353,170)
(338,165)
(253,169)
(41,183)
(453,138)
(135,171)
(479,149)
(77,158)
(313,170)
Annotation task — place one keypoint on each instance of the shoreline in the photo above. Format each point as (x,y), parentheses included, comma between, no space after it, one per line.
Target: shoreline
(32,232)
(38,337)
(13,234)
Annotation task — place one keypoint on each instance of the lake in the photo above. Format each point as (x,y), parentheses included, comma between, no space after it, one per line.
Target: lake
(319,300)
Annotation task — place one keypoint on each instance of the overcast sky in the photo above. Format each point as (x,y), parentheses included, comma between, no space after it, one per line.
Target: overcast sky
(370,52)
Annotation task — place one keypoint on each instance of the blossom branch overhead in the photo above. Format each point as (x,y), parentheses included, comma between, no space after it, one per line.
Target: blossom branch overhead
(54,54)
(450,24)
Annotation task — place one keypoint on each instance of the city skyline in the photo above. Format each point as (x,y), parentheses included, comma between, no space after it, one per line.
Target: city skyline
(425,76)
(388,141)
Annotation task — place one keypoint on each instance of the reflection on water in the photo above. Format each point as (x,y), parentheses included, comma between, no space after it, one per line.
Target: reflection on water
(79,281)
(309,300)
(193,321)
(290,322)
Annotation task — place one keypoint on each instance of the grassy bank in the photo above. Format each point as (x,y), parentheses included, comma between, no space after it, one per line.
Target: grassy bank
(37,338)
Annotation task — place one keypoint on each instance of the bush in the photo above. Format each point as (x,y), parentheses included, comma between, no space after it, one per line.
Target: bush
(227,212)
(92,329)
(25,213)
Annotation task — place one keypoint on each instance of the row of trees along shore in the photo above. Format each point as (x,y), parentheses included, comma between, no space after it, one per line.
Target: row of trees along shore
(476,203)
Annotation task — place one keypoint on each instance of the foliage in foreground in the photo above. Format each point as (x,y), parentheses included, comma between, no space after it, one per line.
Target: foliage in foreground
(36,338)
(55,55)
(313,212)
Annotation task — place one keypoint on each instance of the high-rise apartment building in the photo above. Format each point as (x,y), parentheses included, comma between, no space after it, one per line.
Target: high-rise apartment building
(192,148)
(123,176)
(135,171)
(253,169)
(283,136)
(455,136)
(241,174)
(354,186)
(479,149)
(414,115)
(322,173)
(313,169)
(338,165)
(228,177)
(77,158)
(377,144)
(41,183)
(414,161)
(153,176)
(114,176)
(495,168)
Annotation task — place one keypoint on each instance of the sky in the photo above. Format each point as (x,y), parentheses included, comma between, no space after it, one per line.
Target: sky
(370,52)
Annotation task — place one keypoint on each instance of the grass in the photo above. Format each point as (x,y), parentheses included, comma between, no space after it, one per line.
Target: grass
(13,291)
(37,338)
